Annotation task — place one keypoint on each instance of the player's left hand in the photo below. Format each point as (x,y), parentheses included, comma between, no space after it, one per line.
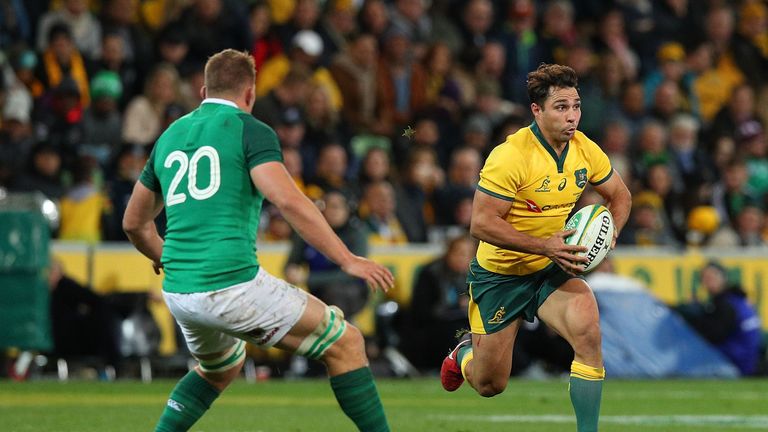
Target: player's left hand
(376,276)
(156,266)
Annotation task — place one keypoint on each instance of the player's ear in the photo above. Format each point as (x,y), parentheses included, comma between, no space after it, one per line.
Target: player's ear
(535,108)
(203,92)
(250,95)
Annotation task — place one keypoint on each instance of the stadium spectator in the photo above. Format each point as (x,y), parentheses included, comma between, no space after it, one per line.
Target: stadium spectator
(377,211)
(320,117)
(113,59)
(375,166)
(43,173)
(752,142)
(330,172)
(337,25)
(143,116)
(102,121)
(476,29)
(727,319)
(374,18)
(213,25)
(62,61)
(286,97)
(83,205)
(749,41)
(59,120)
(612,39)
(525,50)
(739,110)
(307,266)
(216,321)
(444,91)
(354,70)
(266,43)
(16,134)
(401,83)
(121,17)
(86,29)
(411,17)
(461,181)
(732,193)
(172,47)
(24,63)
(420,177)
(439,303)
(306,49)
(124,169)
(691,162)
(647,225)
(672,67)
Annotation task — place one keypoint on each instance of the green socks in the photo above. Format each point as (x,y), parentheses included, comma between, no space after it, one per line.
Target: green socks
(189,400)
(357,395)
(586,388)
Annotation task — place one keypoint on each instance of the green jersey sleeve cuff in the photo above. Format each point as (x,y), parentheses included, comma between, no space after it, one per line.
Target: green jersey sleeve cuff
(494,194)
(603,180)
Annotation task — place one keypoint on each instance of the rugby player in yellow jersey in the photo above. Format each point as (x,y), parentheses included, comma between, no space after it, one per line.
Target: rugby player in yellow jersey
(523,268)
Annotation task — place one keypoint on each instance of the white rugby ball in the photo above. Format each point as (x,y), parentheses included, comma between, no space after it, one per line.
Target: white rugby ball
(594,229)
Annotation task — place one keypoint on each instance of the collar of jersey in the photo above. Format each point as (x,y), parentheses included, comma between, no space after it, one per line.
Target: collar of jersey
(219,101)
(560,161)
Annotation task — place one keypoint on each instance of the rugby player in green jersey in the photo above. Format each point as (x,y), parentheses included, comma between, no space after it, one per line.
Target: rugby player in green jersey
(523,269)
(212,169)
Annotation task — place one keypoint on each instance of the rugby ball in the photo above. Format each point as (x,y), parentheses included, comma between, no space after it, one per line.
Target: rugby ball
(594,229)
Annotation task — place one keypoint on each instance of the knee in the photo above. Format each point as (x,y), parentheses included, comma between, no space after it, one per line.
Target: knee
(491,388)
(221,380)
(351,345)
(587,337)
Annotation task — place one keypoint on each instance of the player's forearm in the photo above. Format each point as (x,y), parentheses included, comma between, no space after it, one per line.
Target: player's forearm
(307,220)
(619,205)
(147,241)
(498,232)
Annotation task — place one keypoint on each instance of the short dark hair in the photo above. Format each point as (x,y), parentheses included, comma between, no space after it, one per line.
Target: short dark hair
(546,76)
(228,72)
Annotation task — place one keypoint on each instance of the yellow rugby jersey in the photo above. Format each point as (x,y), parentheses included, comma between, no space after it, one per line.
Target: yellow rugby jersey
(543,189)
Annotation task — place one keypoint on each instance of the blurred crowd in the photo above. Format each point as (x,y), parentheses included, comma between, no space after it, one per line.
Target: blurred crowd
(394,104)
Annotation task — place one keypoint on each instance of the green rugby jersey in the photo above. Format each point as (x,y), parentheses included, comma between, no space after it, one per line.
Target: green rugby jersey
(201,165)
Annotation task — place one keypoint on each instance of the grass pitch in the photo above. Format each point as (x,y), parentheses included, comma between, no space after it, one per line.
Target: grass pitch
(412,406)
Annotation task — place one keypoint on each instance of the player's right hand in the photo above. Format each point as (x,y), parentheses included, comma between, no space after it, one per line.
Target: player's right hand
(563,254)
(376,276)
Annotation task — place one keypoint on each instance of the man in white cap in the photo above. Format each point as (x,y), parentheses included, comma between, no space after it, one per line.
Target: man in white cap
(306,49)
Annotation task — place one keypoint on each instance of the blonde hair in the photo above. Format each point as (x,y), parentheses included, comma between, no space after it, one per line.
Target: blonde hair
(228,72)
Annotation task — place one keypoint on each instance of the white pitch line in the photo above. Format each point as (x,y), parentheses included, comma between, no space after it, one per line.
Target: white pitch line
(713,421)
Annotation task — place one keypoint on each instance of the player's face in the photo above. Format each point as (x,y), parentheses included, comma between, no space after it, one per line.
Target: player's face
(560,115)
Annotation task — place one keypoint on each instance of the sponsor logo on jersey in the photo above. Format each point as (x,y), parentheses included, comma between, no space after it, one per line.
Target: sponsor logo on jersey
(562,184)
(172,404)
(535,208)
(581,177)
(544,186)
(498,317)
(532,206)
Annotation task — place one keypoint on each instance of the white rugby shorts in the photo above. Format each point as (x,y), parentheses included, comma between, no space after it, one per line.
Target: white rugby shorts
(260,311)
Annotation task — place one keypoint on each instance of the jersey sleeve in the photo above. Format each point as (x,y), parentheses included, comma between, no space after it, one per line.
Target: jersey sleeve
(601,166)
(502,173)
(260,142)
(148,177)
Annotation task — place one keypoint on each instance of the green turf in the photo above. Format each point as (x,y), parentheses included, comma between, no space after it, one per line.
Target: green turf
(412,405)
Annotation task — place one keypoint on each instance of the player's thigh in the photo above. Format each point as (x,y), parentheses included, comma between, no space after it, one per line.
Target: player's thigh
(572,312)
(313,315)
